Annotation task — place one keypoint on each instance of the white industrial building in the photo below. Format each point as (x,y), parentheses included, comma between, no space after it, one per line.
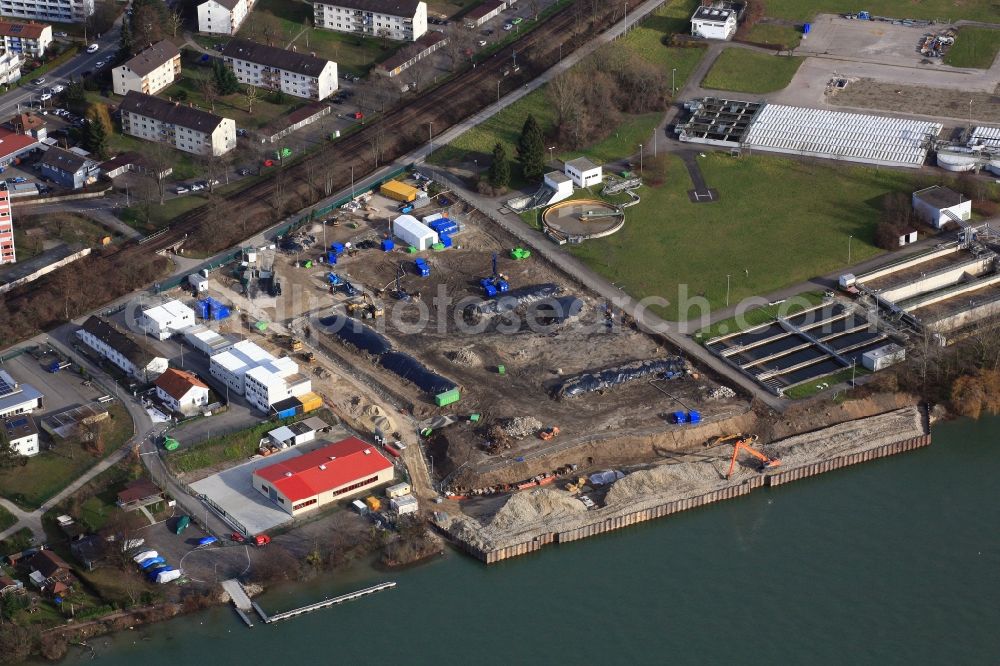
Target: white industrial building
(411,231)
(559,183)
(22,434)
(274,381)
(300,432)
(207,341)
(402,20)
(180,126)
(130,354)
(297,74)
(17,398)
(148,72)
(404,504)
(938,205)
(583,172)
(231,365)
(223,17)
(715,21)
(163,321)
(55,11)
(881,358)
(181,391)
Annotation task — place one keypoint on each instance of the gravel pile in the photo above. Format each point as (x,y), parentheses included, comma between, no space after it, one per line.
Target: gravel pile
(533,506)
(684,478)
(520,427)
(721,393)
(464,357)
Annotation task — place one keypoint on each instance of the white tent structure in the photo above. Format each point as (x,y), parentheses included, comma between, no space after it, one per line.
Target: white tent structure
(411,231)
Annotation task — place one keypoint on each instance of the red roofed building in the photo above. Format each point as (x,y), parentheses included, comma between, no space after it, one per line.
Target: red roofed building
(330,473)
(181,391)
(13,145)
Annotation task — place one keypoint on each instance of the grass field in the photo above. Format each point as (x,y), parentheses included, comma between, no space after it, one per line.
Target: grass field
(821,384)
(644,40)
(948,10)
(785,36)
(740,70)
(50,471)
(671,247)
(6,519)
(974,47)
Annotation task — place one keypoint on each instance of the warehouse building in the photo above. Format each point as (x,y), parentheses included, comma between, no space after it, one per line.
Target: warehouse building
(17,398)
(150,71)
(401,20)
(938,205)
(328,474)
(223,17)
(163,321)
(182,127)
(300,432)
(181,391)
(207,341)
(130,354)
(55,11)
(27,39)
(297,74)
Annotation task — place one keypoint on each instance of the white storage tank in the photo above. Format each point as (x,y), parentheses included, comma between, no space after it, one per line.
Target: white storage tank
(409,230)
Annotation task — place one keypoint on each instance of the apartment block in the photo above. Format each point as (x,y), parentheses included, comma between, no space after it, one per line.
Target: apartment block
(402,20)
(223,17)
(27,39)
(56,11)
(297,74)
(7,254)
(150,71)
(182,127)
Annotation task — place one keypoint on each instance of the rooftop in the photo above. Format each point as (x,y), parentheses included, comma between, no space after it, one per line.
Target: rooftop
(12,143)
(393,7)
(405,55)
(940,197)
(582,164)
(13,394)
(22,30)
(485,8)
(242,356)
(272,56)
(25,122)
(720,13)
(176,383)
(134,349)
(171,113)
(64,160)
(327,468)
(155,56)
(167,312)
(557,177)
(139,489)
(19,427)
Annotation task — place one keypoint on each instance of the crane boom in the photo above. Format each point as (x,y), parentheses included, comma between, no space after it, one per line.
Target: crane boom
(742,445)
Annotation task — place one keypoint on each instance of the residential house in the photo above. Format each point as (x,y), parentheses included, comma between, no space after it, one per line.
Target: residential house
(138,493)
(181,391)
(26,39)
(17,398)
(8,253)
(68,168)
(10,67)
(297,74)
(29,123)
(130,354)
(50,573)
(22,434)
(55,11)
(223,17)
(183,127)
(402,20)
(14,145)
(150,71)
(89,550)
(10,585)
(134,162)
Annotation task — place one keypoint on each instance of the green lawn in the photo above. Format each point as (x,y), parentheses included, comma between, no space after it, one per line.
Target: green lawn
(785,36)
(947,10)
(815,386)
(448,7)
(741,70)
(49,472)
(760,315)
(235,447)
(974,47)
(135,216)
(808,210)
(6,519)
(505,126)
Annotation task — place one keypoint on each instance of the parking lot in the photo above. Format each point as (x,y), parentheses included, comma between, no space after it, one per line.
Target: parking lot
(61,389)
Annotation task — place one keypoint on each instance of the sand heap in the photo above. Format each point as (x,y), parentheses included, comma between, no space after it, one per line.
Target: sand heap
(541,504)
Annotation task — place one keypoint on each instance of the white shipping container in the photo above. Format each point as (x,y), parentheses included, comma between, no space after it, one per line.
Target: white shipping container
(409,230)
(404,505)
(397,490)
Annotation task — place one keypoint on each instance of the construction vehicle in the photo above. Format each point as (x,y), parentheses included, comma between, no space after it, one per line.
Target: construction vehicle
(496,283)
(334,279)
(349,289)
(546,434)
(422,267)
(744,445)
(295,345)
(576,486)
(309,357)
(366,308)
(719,440)
(400,293)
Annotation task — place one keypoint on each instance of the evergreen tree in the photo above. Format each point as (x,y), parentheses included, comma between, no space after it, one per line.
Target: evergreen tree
(499,175)
(9,456)
(126,44)
(225,80)
(531,149)
(95,135)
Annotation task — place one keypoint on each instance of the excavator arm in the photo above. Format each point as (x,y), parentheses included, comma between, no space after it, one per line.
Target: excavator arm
(742,445)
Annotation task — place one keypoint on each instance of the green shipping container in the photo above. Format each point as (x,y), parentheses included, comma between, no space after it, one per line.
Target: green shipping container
(447,398)
(182,524)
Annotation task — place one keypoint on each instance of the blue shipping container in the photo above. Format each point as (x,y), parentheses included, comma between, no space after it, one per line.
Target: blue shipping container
(445,240)
(337,247)
(286,413)
(806,28)
(694,417)
(388,245)
(331,257)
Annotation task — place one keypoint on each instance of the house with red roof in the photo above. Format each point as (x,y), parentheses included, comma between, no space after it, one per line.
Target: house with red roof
(330,473)
(181,391)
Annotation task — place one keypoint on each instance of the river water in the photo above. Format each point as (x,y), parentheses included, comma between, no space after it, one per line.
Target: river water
(891,562)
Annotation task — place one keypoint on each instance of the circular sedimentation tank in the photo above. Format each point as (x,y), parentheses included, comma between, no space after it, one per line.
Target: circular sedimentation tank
(583,218)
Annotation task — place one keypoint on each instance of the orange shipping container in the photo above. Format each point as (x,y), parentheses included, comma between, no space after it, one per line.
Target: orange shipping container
(310,402)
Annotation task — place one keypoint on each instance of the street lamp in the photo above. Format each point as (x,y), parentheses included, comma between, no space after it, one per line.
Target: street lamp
(849,239)
(498,91)
(640,159)
(673,79)
(430,134)
(550,152)
(727,289)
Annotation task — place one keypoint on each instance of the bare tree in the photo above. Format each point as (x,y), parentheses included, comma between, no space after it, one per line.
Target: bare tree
(157,160)
(147,26)
(312,177)
(458,44)
(251,94)
(174,22)
(208,91)
(565,92)
(269,26)
(279,193)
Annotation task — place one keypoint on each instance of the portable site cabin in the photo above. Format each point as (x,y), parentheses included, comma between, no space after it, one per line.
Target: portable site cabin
(404,505)
(397,490)
(398,191)
(411,231)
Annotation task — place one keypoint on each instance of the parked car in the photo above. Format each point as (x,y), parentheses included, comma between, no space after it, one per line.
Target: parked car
(62,34)
(100,64)
(180,189)
(45,97)
(488,32)
(242,132)
(39,81)
(58,88)
(516,20)
(93,48)
(508,26)
(482,42)
(243,172)
(196,187)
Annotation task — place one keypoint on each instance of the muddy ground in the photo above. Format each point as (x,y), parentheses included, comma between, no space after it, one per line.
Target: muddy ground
(870,94)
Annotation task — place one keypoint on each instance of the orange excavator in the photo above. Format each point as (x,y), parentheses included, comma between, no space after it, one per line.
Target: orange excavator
(744,445)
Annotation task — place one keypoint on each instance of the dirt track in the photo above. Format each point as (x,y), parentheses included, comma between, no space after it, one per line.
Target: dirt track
(871,94)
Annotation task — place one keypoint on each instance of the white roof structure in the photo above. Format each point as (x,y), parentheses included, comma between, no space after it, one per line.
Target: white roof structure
(985,136)
(207,340)
(242,356)
(272,371)
(853,137)
(168,312)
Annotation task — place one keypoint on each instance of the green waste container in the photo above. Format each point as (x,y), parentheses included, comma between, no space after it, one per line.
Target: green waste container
(170,444)
(447,398)
(501,370)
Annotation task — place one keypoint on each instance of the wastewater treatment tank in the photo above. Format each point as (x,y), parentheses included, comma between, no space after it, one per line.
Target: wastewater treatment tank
(583,218)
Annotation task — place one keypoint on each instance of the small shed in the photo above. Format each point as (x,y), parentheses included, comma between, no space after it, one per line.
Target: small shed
(397,490)
(583,172)
(938,205)
(411,231)
(882,357)
(560,183)
(404,505)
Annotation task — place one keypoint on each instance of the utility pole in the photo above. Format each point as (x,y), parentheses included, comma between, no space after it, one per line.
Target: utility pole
(640,159)
(498,91)
(550,152)
(430,134)
(673,79)
(727,289)
(849,239)
(352,182)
